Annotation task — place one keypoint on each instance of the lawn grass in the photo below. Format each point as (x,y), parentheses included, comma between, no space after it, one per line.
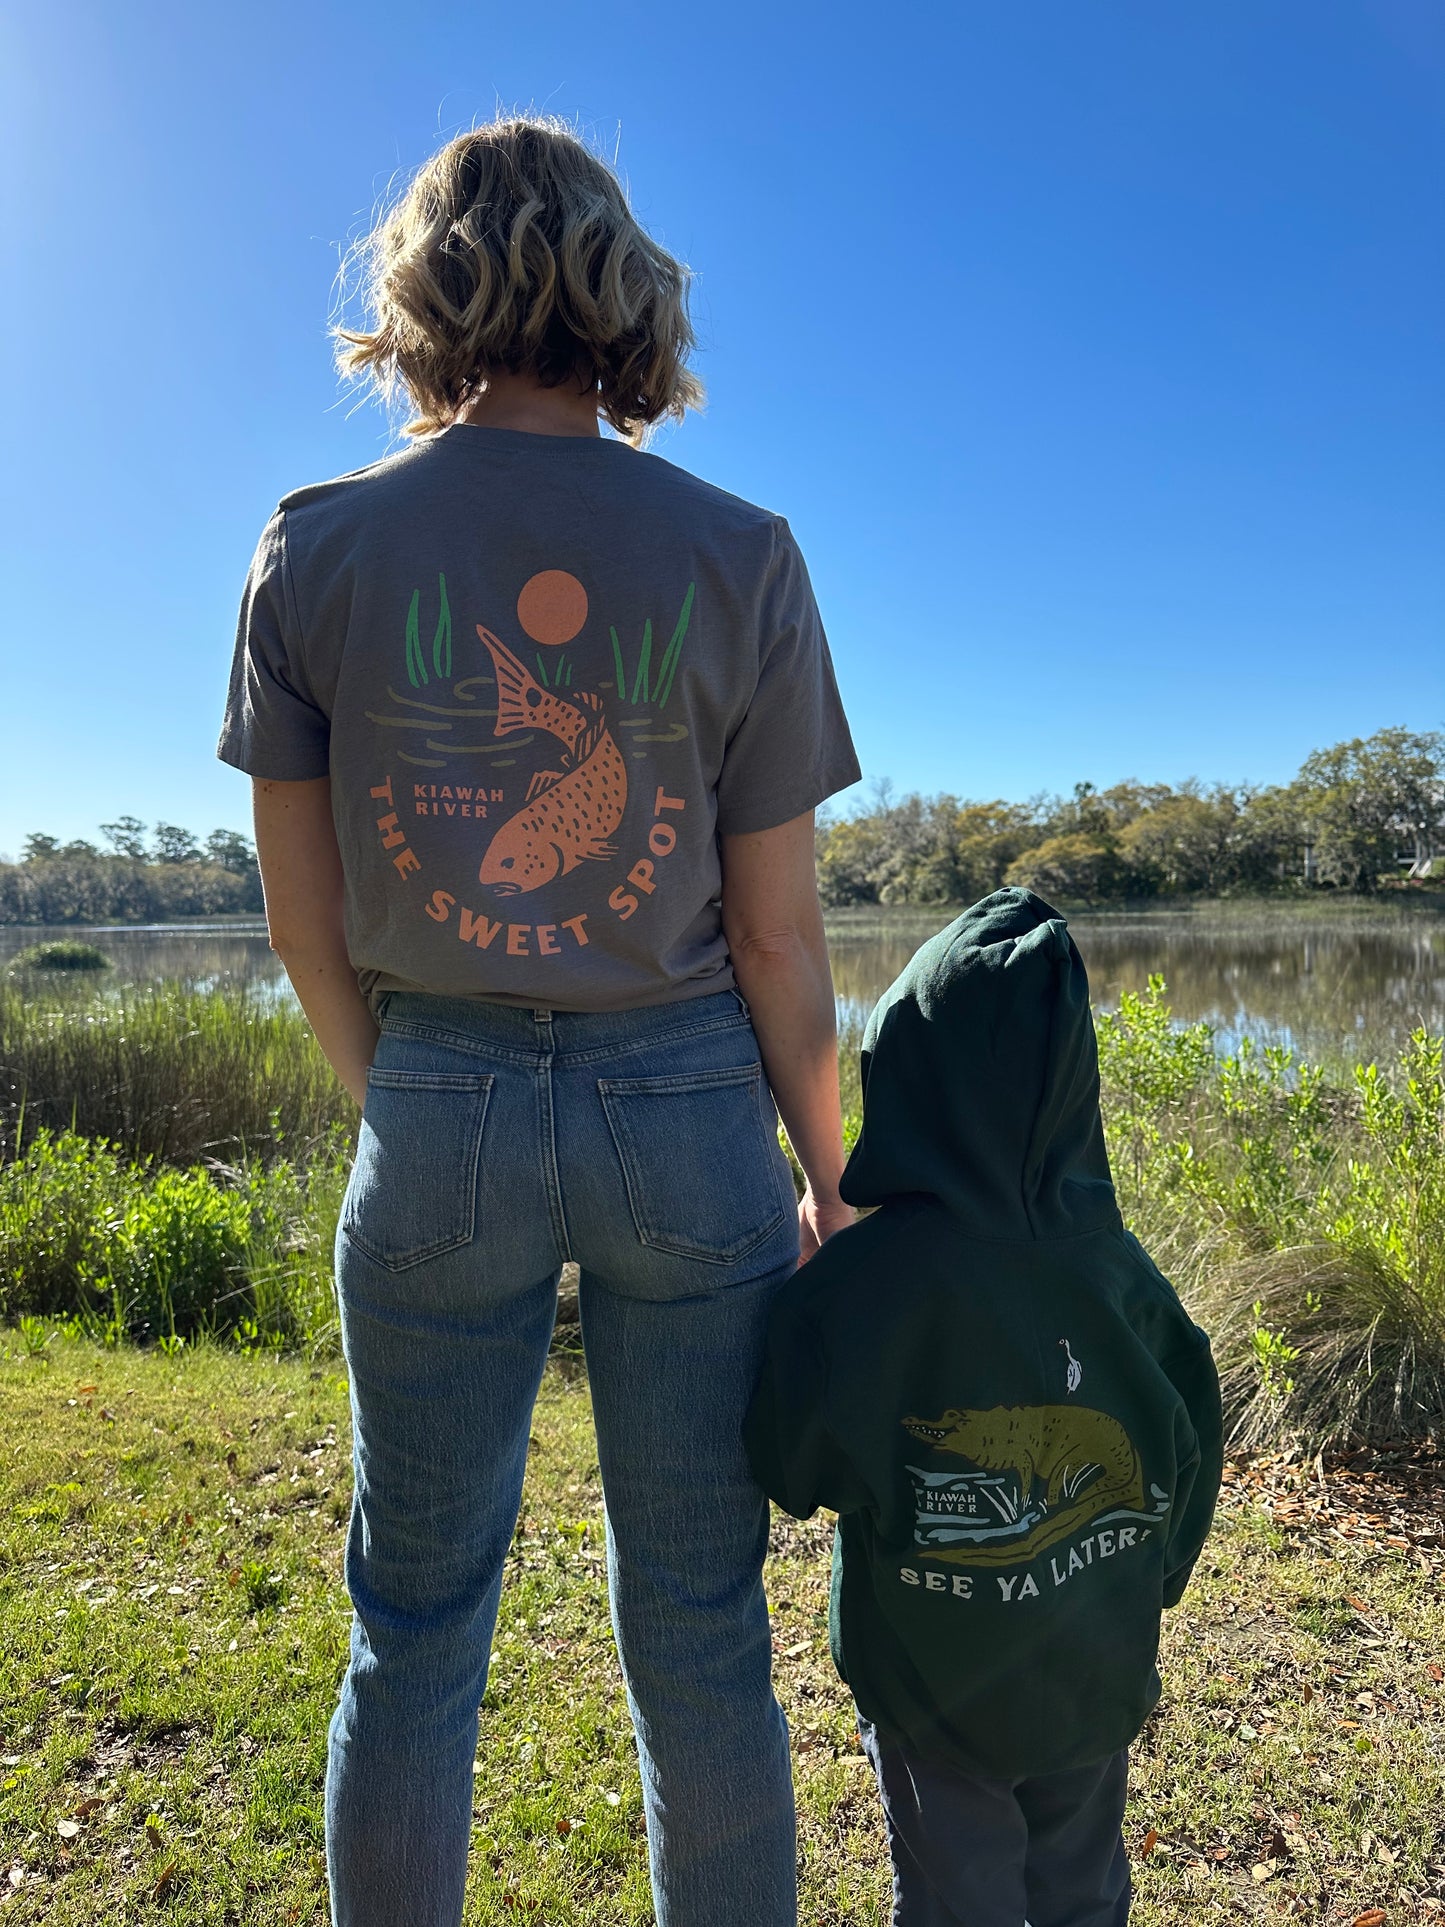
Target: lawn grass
(172,1629)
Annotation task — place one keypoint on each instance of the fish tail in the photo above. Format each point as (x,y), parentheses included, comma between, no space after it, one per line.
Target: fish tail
(513,682)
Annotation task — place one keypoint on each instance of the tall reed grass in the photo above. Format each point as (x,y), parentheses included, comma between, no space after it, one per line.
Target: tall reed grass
(165,1071)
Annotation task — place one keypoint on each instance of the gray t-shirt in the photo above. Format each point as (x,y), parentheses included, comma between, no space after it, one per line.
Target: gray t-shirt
(544,674)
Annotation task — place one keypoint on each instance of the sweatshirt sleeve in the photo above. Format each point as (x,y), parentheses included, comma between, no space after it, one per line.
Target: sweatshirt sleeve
(1195,1379)
(795,1457)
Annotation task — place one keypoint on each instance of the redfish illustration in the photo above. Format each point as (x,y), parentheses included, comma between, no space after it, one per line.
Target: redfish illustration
(570,812)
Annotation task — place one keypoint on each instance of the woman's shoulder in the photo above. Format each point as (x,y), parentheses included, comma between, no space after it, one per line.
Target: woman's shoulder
(667,478)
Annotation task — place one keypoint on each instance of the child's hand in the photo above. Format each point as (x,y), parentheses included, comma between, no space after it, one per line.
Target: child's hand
(818,1219)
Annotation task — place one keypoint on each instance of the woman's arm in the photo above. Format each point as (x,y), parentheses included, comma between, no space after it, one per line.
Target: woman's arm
(305,894)
(774,927)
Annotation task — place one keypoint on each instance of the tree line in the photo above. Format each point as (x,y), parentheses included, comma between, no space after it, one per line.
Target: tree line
(1357,816)
(138,877)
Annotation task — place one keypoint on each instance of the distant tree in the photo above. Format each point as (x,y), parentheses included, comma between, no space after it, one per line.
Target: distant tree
(1369,800)
(126,836)
(986,838)
(1271,839)
(1187,840)
(231,851)
(38,849)
(171,844)
(1081,864)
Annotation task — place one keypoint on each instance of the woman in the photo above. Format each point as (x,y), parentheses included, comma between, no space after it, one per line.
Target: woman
(536,725)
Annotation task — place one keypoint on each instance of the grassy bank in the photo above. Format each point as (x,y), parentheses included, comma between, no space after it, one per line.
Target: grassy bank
(176,1162)
(172,1629)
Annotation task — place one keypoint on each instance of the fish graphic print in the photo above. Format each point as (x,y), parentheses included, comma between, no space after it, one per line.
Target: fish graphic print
(571,812)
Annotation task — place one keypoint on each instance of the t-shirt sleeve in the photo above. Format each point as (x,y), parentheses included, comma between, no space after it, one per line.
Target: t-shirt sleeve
(273,725)
(792,749)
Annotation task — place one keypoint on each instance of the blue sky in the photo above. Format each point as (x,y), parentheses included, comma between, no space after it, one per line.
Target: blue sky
(1093,349)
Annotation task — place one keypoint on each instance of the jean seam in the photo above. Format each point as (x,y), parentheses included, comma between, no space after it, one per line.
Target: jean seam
(551,1177)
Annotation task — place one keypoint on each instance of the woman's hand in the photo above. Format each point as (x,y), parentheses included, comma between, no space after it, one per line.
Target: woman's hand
(818,1219)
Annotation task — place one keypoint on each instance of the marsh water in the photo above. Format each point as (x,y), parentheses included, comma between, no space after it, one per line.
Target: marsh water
(1336,985)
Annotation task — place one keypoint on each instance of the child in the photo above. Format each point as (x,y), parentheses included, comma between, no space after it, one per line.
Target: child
(1004,1400)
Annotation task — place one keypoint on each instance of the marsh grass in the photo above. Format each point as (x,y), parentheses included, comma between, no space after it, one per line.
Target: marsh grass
(166,1072)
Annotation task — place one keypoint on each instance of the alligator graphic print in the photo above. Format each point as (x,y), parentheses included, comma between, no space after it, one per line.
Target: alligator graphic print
(1040,1473)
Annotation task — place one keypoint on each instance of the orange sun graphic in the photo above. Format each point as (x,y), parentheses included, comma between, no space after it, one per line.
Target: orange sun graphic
(552,606)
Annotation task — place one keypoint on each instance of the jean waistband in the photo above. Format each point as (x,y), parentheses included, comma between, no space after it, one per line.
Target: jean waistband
(474,1021)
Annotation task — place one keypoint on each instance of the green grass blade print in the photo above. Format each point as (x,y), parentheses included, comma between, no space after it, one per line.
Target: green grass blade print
(441,647)
(643,663)
(542,670)
(618,666)
(668,667)
(415,667)
(648,687)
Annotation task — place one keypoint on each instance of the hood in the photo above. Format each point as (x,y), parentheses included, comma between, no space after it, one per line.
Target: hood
(981,1080)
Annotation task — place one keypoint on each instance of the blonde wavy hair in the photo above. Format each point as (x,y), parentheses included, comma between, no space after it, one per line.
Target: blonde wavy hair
(514,249)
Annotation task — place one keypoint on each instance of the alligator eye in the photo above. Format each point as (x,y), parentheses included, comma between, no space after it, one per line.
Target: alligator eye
(534,696)
(508,862)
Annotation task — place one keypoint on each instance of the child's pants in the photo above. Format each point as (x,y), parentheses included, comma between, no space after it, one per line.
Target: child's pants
(994,1853)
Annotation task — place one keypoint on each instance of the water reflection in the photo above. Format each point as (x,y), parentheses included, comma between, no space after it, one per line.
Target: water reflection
(203,956)
(1330,990)
(1333,989)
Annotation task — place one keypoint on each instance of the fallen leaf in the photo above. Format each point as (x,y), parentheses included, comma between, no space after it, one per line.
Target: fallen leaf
(107,1415)
(1262,1870)
(165,1880)
(1309,1692)
(1371,1917)
(564,1826)
(83,1389)
(67,1829)
(153,1832)
(1358,1604)
(792,1652)
(1151,1841)
(1435,1672)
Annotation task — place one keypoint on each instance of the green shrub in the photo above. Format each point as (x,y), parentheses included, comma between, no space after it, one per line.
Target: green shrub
(177,1259)
(132,1248)
(60,1203)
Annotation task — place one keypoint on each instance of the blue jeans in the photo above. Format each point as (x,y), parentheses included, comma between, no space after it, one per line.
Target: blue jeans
(496,1144)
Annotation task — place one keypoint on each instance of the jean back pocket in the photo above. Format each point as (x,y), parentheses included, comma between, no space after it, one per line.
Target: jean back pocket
(413,1189)
(702,1177)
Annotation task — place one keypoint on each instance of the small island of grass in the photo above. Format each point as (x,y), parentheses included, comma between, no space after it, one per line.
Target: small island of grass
(63,954)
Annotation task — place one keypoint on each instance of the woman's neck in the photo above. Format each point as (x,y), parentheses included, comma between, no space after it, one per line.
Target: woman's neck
(520,402)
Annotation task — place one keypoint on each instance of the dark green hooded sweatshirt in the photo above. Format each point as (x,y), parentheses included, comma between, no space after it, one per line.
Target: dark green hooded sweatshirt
(988,1379)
